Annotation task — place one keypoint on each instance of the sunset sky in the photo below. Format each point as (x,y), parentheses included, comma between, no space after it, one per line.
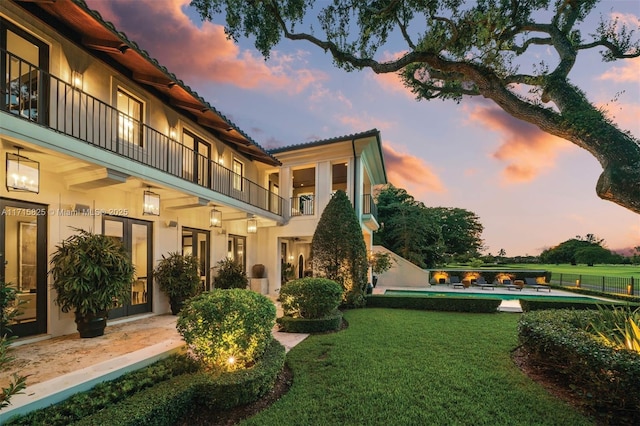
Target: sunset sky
(530,190)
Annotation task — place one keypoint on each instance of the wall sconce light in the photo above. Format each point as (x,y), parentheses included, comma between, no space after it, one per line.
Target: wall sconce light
(252,225)
(215,218)
(173,133)
(23,174)
(151,203)
(77,80)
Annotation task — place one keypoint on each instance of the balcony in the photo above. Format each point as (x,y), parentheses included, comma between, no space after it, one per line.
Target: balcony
(370,212)
(302,206)
(35,95)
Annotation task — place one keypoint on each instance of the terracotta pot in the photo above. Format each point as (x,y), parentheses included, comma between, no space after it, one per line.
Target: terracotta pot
(257,271)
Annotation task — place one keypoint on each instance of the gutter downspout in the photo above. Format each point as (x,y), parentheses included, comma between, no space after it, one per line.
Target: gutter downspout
(355,170)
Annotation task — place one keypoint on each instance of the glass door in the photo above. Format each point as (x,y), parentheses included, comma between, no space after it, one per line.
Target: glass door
(196,242)
(23,256)
(136,235)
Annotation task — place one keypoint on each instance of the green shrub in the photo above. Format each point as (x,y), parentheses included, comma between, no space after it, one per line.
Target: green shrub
(619,327)
(9,309)
(449,304)
(230,274)
(560,340)
(177,275)
(108,394)
(315,325)
(227,329)
(91,273)
(310,298)
(617,296)
(542,304)
(167,402)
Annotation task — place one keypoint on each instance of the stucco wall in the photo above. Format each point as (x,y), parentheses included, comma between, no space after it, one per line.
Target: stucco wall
(402,274)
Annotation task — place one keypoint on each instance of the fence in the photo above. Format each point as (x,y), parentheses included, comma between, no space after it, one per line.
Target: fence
(615,285)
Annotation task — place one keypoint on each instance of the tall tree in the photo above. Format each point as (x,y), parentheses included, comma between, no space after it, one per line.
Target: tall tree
(426,236)
(338,251)
(455,49)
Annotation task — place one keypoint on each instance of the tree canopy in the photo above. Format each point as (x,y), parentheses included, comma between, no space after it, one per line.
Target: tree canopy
(426,236)
(588,249)
(455,49)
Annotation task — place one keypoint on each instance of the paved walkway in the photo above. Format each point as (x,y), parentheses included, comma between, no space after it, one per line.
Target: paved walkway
(61,366)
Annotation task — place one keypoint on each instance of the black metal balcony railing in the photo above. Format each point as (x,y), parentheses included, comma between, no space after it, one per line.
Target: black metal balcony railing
(369,206)
(33,94)
(302,206)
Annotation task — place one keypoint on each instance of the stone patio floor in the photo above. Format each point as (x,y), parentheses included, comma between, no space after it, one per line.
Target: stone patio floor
(60,366)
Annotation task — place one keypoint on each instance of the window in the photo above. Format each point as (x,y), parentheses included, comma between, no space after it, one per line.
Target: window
(235,249)
(238,175)
(129,118)
(24,87)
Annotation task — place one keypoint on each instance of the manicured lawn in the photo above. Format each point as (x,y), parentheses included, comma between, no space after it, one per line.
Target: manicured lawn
(401,367)
(623,271)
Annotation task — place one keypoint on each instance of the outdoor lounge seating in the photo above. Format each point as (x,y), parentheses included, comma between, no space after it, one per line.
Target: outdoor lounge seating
(509,285)
(454,281)
(482,283)
(533,284)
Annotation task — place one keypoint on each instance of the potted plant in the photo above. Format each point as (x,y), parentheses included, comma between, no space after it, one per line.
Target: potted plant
(380,263)
(178,277)
(92,273)
(230,274)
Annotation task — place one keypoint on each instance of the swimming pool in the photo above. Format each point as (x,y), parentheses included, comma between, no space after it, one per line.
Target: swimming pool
(515,296)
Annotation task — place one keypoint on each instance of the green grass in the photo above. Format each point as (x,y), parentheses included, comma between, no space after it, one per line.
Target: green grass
(401,367)
(623,271)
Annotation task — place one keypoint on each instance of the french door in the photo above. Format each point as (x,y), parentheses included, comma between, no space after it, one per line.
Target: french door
(23,260)
(136,236)
(196,243)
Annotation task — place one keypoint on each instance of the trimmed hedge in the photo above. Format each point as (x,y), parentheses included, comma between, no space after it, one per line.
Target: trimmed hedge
(623,297)
(167,402)
(528,305)
(314,325)
(107,394)
(449,304)
(609,378)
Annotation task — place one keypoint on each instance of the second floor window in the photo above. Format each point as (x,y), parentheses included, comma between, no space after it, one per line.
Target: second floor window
(238,174)
(129,118)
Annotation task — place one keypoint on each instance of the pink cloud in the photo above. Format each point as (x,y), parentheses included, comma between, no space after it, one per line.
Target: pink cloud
(410,172)
(201,53)
(525,150)
(625,73)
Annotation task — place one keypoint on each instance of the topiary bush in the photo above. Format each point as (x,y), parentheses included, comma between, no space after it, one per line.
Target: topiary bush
(338,251)
(310,298)
(227,329)
(230,274)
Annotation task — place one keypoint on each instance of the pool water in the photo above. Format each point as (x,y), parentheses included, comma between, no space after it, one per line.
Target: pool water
(515,296)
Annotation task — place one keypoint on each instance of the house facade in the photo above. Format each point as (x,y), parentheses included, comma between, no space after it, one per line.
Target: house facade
(309,175)
(97,135)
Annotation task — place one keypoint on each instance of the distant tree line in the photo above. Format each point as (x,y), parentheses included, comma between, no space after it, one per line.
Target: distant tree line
(589,250)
